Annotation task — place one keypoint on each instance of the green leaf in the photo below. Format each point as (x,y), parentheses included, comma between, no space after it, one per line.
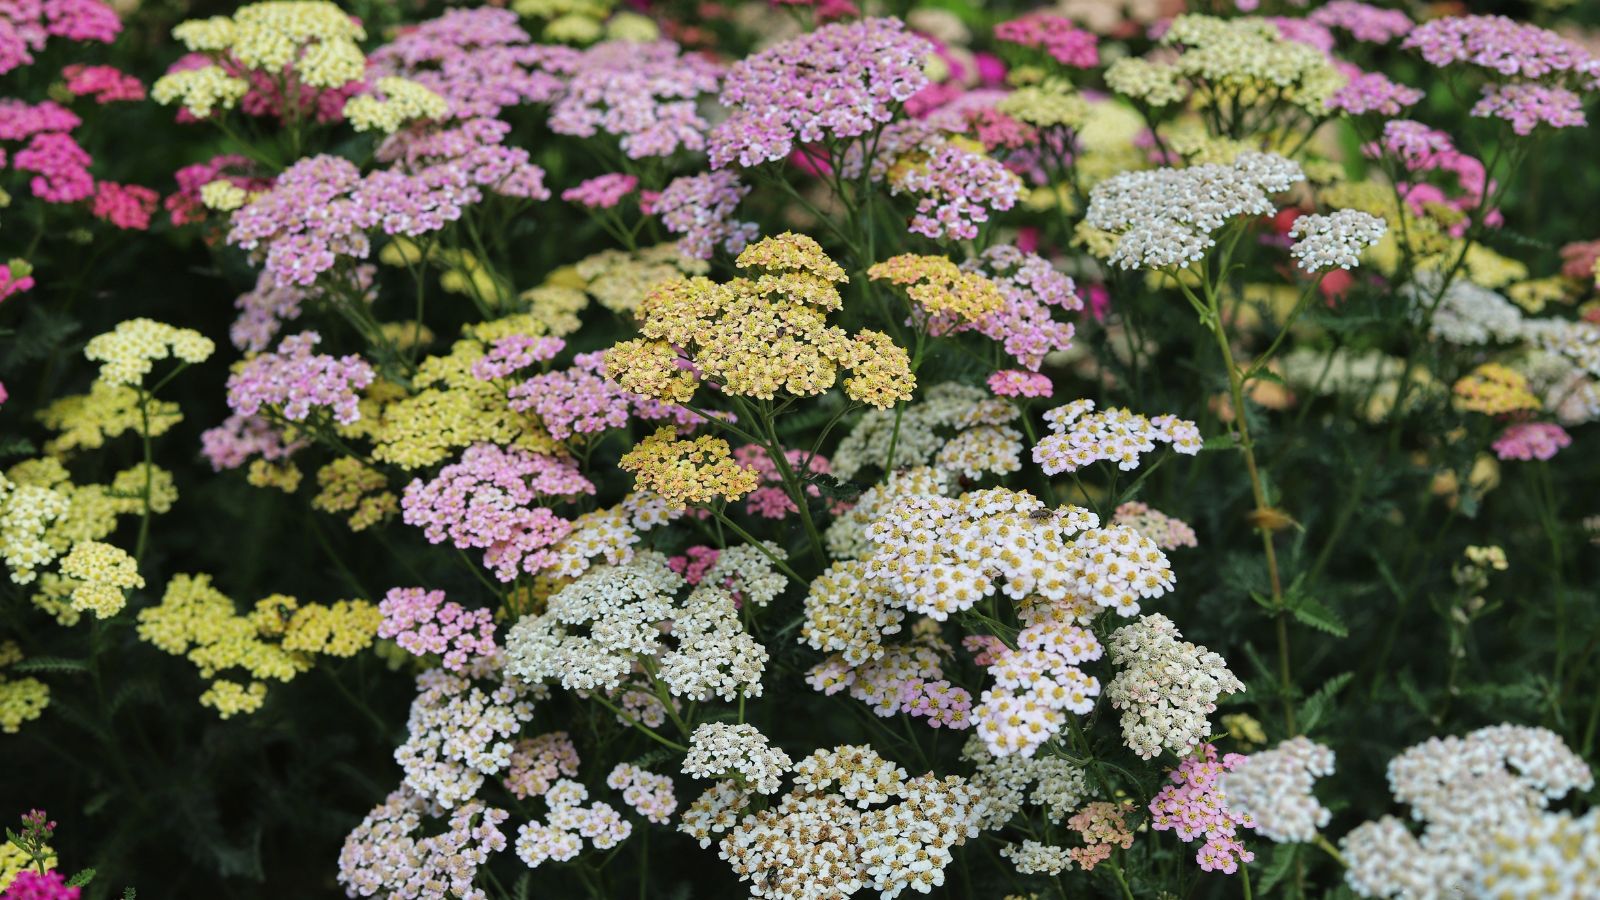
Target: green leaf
(81,879)
(128,893)
(56,664)
(15,445)
(1311,612)
(1316,707)
(1224,441)
(1263,601)
(1282,861)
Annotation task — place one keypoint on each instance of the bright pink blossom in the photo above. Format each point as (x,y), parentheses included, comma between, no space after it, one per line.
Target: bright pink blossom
(601,191)
(1531,440)
(127,206)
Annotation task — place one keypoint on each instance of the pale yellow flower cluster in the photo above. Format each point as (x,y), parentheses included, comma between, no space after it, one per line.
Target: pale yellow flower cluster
(128,352)
(940,287)
(21,700)
(688,471)
(103,574)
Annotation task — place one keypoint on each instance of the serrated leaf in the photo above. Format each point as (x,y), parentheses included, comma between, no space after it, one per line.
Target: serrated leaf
(128,893)
(1316,706)
(1282,861)
(57,664)
(1263,601)
(1223,441)
(15,445)
(81,879)
(1313,613)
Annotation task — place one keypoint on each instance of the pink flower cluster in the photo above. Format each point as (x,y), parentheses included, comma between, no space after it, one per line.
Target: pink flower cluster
(1169,533)
(1365,22)
(836,83)
(514,352)
(905,680)
(700,209)
(1016,383)
(10,282)
(423,622)
(643,93)
(601,191)
(59,165)
(1034,687)
(491,499)
(127,206)
(576,400)
(293,381)
(231,444)
(1422,151)
(1527,106)
(1531,440)
(770,500)
(1056,35)
(1031,286)
(479,60)
(1374,93)
(1303,31)
(32,885)
(25,26)
(1195,806)
(956,189)
(694,563)
(1503,46)
(107,84)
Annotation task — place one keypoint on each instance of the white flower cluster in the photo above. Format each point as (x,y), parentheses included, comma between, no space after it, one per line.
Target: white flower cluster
(847,536)
(1167,687)
(460,733)
(941,555)
(1335,240)
(1081,436)
(602,535)
(745,569)
(649,794)
(567,824)
(948,407)
(1273,788)
(714,811)
(820,844)
(595,630)
(1468,314)
(1464,790)
(1576,341)
(1034,687)
(383,855)
(722,750)
(1035,858)
(1059,786)
(849,614)
(1565,389)
(1165,217)
(1543,856)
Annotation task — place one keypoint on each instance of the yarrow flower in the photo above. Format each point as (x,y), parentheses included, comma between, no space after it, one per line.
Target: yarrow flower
(423,622)
(106,84)
(1373,93)
(1494,389)
(1168,533)
(293,381)
(385,854)
(1334,240)
(1272,789)
(601,191)
(1196,805)
(643,93)
(1365,22)
(721,750)
(1014,383)
(1166,686)
(103,574)
(1080,436)
(26,26)
(694,471)
(1531,440)
(1056,35)
(1165,217)
(839,82)
(128,352)
(1030,287)
(700,208)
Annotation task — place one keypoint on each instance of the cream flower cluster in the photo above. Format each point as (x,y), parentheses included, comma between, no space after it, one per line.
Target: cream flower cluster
(925,430)
(849,614)
(828,837)
(1166,686)
(1059,786)
(1464,790)
(128,352)
(1081,436)
(1166,217)
(26,513)
(384,856)
(567,824)
(649,794)
(1273,788)
(941,555)
(1543,856)
(1335,240)
(847,536)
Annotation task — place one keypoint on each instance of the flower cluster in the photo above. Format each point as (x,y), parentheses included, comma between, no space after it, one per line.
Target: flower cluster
(1166,687)
(423,622)
(1080,436)
(1272,789)
(1195,805)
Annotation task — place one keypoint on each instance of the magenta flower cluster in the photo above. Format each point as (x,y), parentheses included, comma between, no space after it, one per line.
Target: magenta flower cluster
(423,622)
(26,25)
(601,191)
(770,500)
(1527,441)
(1056,35)
(293,380)
(106,84)
(1195,807)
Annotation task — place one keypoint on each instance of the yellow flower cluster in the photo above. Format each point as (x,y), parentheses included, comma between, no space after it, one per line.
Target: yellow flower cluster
(1046,105)
(87,421)
(103,575)
(128,352)
(13,861)
(755,337)
(76,513)
(1494,389)
(1535,294)
(350,486)
(282,475)
(939,286)
(223,196)
(619,280)
(201,91)
(688,471)
(403,101)
(452,409)
(1145,81)
(276,640)
(21,700)
(1246,61)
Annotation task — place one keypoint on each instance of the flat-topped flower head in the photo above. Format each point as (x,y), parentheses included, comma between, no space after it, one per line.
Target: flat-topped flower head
(838,82)
(1335,240)
(393,103)
(943,293)
(688,471)
(292,381)
(1164,218)
(128,352)
(1080,435)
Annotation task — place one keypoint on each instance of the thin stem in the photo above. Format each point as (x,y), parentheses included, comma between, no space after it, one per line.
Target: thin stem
(645,729)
